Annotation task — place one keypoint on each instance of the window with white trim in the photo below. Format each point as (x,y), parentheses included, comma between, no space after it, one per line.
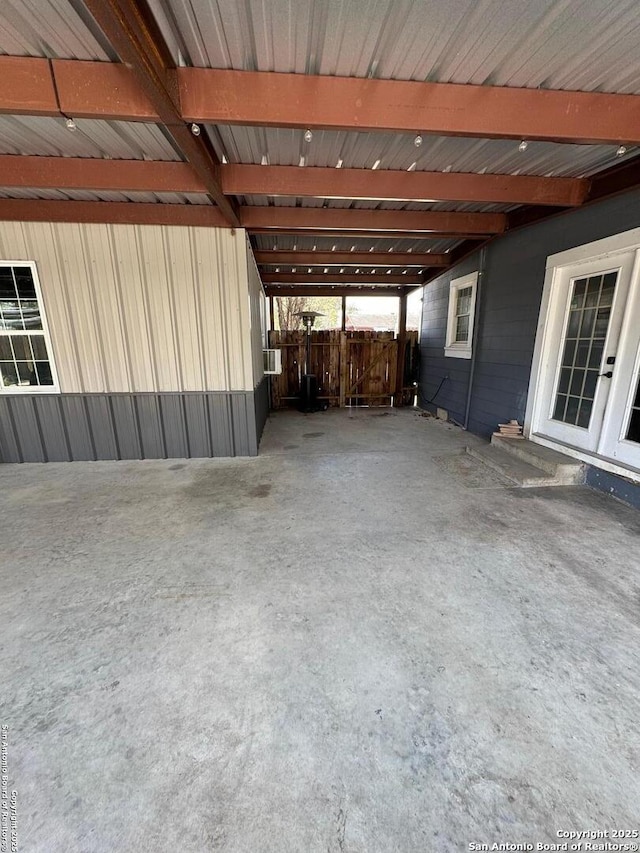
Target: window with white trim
(462,304)
(26,363)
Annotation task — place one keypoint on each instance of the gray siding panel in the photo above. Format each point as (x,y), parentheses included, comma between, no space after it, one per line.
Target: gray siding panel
(76,419)
(174,426)
(125,420)
(27,429)
(244,426)
(101,426)
(507,313)
(150,426)
(219,412)
(52,428)
(261,406)
(197,423)
(55,428)
(9,447)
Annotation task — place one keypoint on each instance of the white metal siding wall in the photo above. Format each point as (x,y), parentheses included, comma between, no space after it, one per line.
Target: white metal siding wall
(142,307)
(257,301)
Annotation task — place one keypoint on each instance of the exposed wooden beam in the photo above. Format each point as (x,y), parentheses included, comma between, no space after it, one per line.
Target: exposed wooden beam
(166,176)
(130,213)
(27,86)
(134,34)
(336,278)
(351,259)
(108,90)
(296,181)
(93,174)
(424,222)
(349,103)
(333,290)
(364,234)
(101,90)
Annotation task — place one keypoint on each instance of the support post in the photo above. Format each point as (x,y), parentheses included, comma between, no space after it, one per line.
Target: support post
(402,345)
(344,313)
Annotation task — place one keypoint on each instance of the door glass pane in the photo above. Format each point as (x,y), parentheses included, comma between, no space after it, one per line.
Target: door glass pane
(587,326)
(633,431)
(584,415)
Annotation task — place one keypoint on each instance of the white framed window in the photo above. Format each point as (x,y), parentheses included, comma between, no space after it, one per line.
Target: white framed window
(26,361)
(462,306)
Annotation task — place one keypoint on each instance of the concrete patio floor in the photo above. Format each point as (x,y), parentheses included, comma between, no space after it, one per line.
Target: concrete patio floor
(359,642)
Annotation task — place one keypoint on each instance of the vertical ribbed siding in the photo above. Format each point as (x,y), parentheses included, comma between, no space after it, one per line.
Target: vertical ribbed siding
(142,308)
(258,308)
(68,428)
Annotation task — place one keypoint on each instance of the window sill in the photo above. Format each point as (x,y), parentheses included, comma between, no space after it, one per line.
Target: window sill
(457,352)
(31,389)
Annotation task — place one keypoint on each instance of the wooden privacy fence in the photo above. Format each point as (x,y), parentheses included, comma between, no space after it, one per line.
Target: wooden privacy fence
(353,368)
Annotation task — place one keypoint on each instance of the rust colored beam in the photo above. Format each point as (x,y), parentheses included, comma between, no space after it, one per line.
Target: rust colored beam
(296,181)
(93,174)
(129,213)
(131,28)
(366,234)
(111,90)
(343,278)
(333,290)
(427,222)
(349,103)
(27,87)
(101,90)
(351,259)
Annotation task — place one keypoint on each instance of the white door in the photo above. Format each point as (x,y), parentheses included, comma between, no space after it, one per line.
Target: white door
(578,393)
(620,440)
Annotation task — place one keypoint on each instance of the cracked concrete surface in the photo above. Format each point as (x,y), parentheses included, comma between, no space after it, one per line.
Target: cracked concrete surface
(360,641)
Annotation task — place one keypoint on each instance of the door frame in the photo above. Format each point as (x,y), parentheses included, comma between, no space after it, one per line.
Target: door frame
(599,250)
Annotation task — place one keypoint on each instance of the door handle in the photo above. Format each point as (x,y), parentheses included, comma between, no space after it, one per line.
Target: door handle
(608,374)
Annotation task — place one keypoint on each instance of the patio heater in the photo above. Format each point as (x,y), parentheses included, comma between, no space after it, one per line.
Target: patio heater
(309,384)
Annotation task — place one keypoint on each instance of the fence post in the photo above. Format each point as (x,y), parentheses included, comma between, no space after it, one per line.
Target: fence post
(343,368)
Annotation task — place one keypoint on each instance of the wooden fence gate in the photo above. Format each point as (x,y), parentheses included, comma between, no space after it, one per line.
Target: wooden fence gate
(353,368)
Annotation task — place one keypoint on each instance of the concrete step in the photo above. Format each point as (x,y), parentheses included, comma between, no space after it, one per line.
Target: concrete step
(554,463)
(517,470)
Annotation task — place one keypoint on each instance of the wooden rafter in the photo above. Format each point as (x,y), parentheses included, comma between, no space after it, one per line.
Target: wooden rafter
(117,212)
(131,29)
(341,278)
(372,221)
(391,184)
(158,176)
(351,259)
(333,290)
(108,90)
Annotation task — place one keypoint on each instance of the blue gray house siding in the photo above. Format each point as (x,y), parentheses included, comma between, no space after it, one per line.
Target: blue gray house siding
(506,314)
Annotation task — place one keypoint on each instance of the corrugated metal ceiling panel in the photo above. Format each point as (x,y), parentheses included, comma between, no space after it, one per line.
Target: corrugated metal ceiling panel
(290,242)
(118,140)
(286,147)
(343,204)
(563,44)
(57,29)
(103,195)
